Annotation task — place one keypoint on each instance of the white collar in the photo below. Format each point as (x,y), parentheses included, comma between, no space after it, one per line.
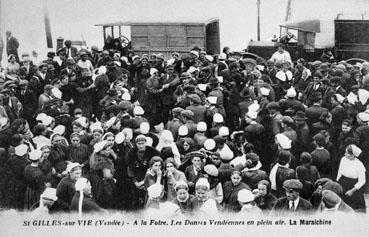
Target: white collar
(296,202)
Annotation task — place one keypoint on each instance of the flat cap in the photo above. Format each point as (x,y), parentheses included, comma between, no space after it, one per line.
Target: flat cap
(330,197)
(177,110)
(293,184)
(187,113)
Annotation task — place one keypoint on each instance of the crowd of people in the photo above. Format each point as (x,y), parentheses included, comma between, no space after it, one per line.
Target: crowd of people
(89,131)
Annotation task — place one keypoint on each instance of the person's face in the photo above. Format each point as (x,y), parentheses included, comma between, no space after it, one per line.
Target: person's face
(84,57)
(186,81)
(175,56)
(65,80)
(263,191)
(280,49)
(349,156)
(76,141)
(76,174)
(45,153)
(77,129)
(291,194)
(186,146)
(97,135)
(346,129)
(201,194)
(156,166)
(215,160)
(12,59)
(57,140)
(87,189)
(44,69)
(328,119)
(170,70)
(196,161)
(28,135)
(236,179)
(170,167)
(141,145)
(110,141)
(182,195)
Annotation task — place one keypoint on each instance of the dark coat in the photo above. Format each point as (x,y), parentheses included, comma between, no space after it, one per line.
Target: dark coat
(266,203)
(65,190)
(137,167)
(282,175)
(199,112)
(282,206)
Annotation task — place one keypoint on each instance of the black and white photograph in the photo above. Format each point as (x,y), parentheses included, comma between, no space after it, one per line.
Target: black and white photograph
(184,118)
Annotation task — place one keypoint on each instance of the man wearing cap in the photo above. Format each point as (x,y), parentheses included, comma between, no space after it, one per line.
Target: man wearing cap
(197,108)
(174,124)
(188,117)
(292,203)
(331,202)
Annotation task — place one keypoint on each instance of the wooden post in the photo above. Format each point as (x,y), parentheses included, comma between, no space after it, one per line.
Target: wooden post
(49,39)
(258,22)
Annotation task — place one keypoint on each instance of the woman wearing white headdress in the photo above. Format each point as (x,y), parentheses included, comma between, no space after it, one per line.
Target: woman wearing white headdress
(82,200)
(351,176)
(167,140)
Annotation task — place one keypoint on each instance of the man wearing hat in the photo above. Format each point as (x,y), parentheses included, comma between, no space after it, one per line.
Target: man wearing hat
(336,86)
(331,202)
(187,117)
(315,110)
(292,202)
(13,107)
(170,81)
(174,124)
(69,50)
(28,99)
(303,133)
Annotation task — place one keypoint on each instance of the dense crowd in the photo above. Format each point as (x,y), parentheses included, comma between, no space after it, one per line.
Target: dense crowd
(93,131)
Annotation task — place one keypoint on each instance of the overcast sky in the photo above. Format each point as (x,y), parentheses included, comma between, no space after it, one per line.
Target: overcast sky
(74,19)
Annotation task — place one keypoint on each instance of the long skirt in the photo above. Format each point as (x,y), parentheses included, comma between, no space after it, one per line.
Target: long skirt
(356,201)
(32,196)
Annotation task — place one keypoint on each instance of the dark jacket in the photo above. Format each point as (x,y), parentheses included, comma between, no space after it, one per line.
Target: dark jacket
(282,206)
(137,167)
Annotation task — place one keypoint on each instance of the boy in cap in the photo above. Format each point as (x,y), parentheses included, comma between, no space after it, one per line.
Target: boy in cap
(292,202)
